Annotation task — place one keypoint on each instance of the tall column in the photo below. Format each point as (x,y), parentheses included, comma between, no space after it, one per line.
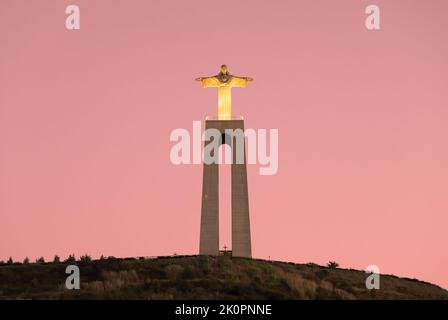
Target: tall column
(241,241)
(241,244)
(209,241)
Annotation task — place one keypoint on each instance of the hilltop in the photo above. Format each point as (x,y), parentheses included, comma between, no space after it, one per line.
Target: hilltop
(203,277)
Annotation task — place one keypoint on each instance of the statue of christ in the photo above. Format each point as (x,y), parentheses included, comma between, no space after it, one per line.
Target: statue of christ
(224,82)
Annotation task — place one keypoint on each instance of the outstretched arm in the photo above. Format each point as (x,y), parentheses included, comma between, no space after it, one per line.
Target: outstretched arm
(239,82)
(208,82)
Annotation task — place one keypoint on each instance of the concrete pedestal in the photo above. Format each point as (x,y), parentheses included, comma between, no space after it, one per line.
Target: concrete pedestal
(209,237)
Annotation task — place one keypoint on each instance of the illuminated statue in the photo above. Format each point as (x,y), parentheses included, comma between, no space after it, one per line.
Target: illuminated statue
(224,82)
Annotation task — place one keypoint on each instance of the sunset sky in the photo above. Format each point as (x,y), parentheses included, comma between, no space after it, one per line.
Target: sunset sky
(86,116)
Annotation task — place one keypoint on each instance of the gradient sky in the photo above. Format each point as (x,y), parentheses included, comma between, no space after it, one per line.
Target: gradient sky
(85,118)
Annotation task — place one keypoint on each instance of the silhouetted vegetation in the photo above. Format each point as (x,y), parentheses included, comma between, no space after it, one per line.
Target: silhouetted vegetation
(85,258)
(202,277)
(332,265)
(312,265)
(71,259)
(40,260)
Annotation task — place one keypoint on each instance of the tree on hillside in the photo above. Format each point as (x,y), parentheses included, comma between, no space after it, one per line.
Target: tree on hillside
(26,260)
(56,259)
(40,260)
(332,265)
(10,261)
(71,259)
(85,258)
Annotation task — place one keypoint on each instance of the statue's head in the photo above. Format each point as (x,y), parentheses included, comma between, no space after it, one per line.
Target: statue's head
(224,69)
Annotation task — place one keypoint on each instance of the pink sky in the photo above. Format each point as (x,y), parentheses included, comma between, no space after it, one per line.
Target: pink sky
(85,118)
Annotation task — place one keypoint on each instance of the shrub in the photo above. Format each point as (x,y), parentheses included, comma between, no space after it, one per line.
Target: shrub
(40,260)
(71,259)
(312,265)
(85,258)
(332,265)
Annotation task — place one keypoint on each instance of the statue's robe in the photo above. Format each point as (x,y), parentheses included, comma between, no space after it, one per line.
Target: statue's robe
(224,96)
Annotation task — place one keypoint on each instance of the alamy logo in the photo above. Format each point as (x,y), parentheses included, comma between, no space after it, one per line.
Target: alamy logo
(373,18)
(73,280)
(73,20)
(373,280)
(188,149)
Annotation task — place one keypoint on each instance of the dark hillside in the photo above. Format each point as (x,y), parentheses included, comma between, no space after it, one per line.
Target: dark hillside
(202,277)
